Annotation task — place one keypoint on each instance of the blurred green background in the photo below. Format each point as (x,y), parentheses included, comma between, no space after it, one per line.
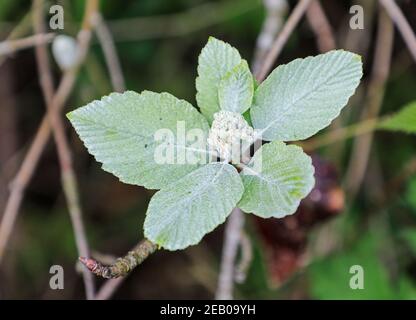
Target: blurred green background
(158,42)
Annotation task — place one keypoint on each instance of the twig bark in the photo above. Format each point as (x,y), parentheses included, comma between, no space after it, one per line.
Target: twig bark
(11,46)
(124,265)
(110,53)
(282,38)
(28,166)
(320,26)
(402,24)
(372,105)
(229,252)
(118,271)
(108,289)
(21,30)
(246,258)
(69,182)
(275,13)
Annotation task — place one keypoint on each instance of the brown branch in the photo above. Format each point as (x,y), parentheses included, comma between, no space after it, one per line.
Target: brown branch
(273,22)
(22,29)
(232,234)
(109,288)
(69,182)
(110,53)
(246,258)
(402,24)
(28,166)
(282,38)
(122,266)
(372,105)
(320,26)
(11,46)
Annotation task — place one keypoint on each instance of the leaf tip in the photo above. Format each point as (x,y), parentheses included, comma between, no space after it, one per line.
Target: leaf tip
(70,115)
(357,57)
(212,38)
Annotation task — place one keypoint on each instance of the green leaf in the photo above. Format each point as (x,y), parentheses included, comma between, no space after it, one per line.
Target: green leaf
(404,120)
(182,213)
(216,59)
(276,179)
(300,98)
(236,89)
(119,130)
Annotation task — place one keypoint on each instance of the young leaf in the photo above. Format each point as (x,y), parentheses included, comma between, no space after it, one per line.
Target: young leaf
(182,213)
(302,97)
(119,130)
(404,120)
(216,59)
(236,89)
(285,178)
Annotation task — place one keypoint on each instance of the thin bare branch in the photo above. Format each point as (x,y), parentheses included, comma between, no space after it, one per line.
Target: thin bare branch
(108,289)
(372,105)
(20,30)
(273,22)
(282,38)
(246,258)
(110,53)
(12,46)
(229,253)
(69,182)
(402,24)
(28,166)
(320,26)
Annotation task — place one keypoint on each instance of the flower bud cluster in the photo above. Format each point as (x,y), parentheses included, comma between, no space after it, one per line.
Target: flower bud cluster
(229,133)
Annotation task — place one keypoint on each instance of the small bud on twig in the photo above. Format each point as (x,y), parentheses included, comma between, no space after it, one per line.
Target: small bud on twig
(122,266)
